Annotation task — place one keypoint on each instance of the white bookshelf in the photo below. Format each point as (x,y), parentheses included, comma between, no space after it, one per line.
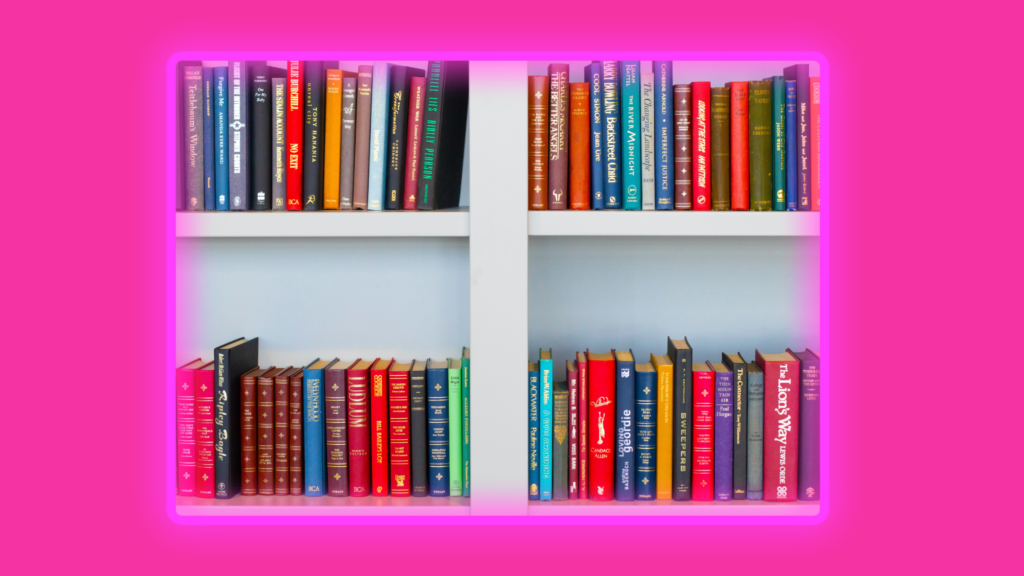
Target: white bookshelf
(672,223)
(452,223)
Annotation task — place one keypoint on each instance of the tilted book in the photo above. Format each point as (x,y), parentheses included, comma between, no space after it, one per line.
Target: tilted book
(572,378)
(701,145)
(646,431)
(444,135)
(739,138)
(231,361)
(625,427)
(437,427)
(647,140)
(357,383)
(663,365)
(579,146)
(348,142)
(414,141)
(220,135)
(778,143)
(792,152)
(260,115)
(465,423)
(602,433)
(398,122)
(376,180)
(632,179)
(612,128)
(533,431)
(313,137)
(683,146)
(380,475)
(265,434)
(664,132)
(800,73)
(723,431)
(703,433)
(418,427)
(278,181)
(581,364)
(185,423)
(336,427)
(361,163)
(537,110)
(809,476)
(546,422)
(755,432)
(760,142)
(738,366)
(592,74)
(296,460)
(681,355)
(558,137)
(281,430)
(398,420)
(314,449)
(194,162)
(560,442)
(294,125)
(455,425)
(250,480)
(205,430)
(238,134)
(209,160)
(781,425)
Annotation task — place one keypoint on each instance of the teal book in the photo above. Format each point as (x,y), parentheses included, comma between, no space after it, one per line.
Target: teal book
(632,176)
(778,143)
(314,449)
(465,422)
(379,135)
(533,427)
(455,425)
(546,423)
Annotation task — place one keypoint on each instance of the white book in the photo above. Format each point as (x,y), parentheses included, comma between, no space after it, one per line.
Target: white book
(647,140)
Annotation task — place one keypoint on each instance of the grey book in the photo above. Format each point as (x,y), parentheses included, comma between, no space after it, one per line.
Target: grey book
(238,135)
(278,182)
(193,87)
(560,443)
(755,432)
(740,414)
(348,142)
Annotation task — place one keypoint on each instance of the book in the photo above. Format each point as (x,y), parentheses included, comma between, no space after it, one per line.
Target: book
(738,366)
(465,423)
(209,159)
(647,140)
(755,431)
(444,135)
(357,389)
(195,197)
(455,425)
(313,137)
(361,161)
(294,123)
(702,190)
(681,355)
(625,426)
(602,408)
(612,129)
(663,474)
(592,74)
(721,196)
(560,442)
(683,147)
(632,180)
(759,107)
(739,138)
(238,135)
(558,136)
(398,420)
(380,476)
(314,449)
(336,427)
(815,153)
(265,434)
(348,142)
(414,130)
(572,380)
(250,483)
(205,430)
(296,459)
(537,109)
(781,425)
(279,182)
(800,73)
(332,141)
(185,425)
(809,472)
(792,173)
(260,113)
(418,427)
(546,423)
(232,360)
(533,431)
(664,157)
(180,144)
(398,123)
(646,431)
(281,432)
(579,146)
(220,134)
(778,143)
(437,426)
(723,430)
(581,365)
(703,477)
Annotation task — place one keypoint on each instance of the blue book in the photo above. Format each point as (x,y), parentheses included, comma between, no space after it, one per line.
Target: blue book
(546,366)
(220,135)
(723,432)
(592,72)
(533,469)
(313,448)
(664,145)
(632,179)
(437,427)
(612,130)
(646,428)
(792,174)
(378,135)
(625,412)
(209,160)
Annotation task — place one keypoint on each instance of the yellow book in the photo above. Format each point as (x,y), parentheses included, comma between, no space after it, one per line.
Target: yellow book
(663,467)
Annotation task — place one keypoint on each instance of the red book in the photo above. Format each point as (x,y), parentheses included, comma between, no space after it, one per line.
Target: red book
(185,387)
(295,456)
(358,428)
(701,100)
(380,478)
(249,456)
(398,404)
(265,431)
(414,133)
(703,433)
(336,428)
(739,145)
(572,375)
(537,110)
(781,424)
(579,154)
(683,146)
(815,143)
(293,126)
(281,432)
(602,425)
(205,432)
(581,363)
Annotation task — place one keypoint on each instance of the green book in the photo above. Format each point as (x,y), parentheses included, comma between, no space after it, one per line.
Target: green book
(779,142)
(760,131)
(721,197)
(465,422)
(455,425)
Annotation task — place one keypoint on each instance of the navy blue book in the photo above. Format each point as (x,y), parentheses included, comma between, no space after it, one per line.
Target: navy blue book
(437,426)
(592,72)
(238,135)
(629,133)
(209,174)
(723,431)
(534,430)
(792,175)
(646,431)
(625,412)
(547,416)
(801,74)
(313,447)
(610,115)
(220,135)
(664,149)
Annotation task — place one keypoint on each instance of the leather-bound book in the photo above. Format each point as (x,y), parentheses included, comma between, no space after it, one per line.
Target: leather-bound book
(809,473)
(250,457)
(380,477)
(437,427)
(231,361)
(683,148)
(579,146)
(335,428)
(703,433)
(663,445)
(740,409)
(792,150)
(560,442)
(533,431)
(296,459)
(546,422)
(681,355)
(332,141)
(583,368)
(194,188)
(723,431)
(455,426)
(664,150)
(418,427)
(293,124)
(279,178)
(572,378)
(602,429)
(721,198)
(646,431)
(800,73)
(315,472)
(281,432)
(781,425)
(414,141)
(815,118)
(558,136)
(346,176)
(185,423)
(611,114)
(444,135)
(632,181)
(265,431)
(739,143)
(625,426)
(398,123)
(379,119)
(205,430)
(313,139)
(755,432)
(260,115)
(759,105)
(701,145)
(538,113)
(361,164)
(592,74)
(778,143)
(357,382)
(398,420)
(647,140)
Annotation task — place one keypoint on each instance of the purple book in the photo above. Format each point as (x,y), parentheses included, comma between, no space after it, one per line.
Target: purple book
(723,431)
(801,74)
(809,470)
(558,137)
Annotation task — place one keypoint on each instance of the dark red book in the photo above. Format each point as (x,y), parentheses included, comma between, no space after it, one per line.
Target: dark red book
(414,134)
(249,470)
(265,431)
(703,483)
(781,424)
(358,400)
(602,425)
(537,110)
(361,170)
(572,377)
(296,458)
(558,136)
(335,428)
(701,145)
(581,363)
(205,433)
(739,144)
(398,405)
(281,432)
(683,149)
(579,150)
(293,128)
(185,392)
(380,478)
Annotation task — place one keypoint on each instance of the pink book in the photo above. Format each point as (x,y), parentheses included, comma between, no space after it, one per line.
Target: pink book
(184,384)
(815,143)
(414,134)
(205,451)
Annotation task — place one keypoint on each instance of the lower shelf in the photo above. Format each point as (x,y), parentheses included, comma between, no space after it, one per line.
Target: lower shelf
(671,508)
(324,506)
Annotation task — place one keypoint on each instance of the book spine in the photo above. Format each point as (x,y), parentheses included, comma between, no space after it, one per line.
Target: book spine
(261,137)
(279,185)
(465,428)
(348,142)
(755,435)
(546,428)
(417,89)
(265,436)
(683,164)
(358,432)
(815,128)
(238,135)
(378,135)
(741,408)
(703,435)
(721,198)
(538,119)
(533,433)
(220,91)
(663,472)
(781,430)
(739,181)
(186,429)
(209,156)
(181,128)
(759,106)
(602,408)
(584,421)
(579,146)
(632,180)
(398,418)
(418,432)
(336,432)
(281,436)
(204,434)
(558,136)
(294,123)
(647,139)
(664,157)
(249,454)
(455,430)
(809,472)
(573,380)
(778,143)
(723,436)
(437,430)
(296,459)
(398,122)
(646,433)
(438,152)
(194,162)
(560,442)
(361,164)
(792,173)
(682,425)
(596,138)
(313,432)
(313,140)
(625,420)
(610,114)
(380,477)
(803,111)
(701,100)
(332,141)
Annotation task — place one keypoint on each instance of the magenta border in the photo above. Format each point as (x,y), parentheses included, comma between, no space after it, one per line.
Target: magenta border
(824,240)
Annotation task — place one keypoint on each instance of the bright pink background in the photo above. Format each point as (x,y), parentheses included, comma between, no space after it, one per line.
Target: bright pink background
(924,109)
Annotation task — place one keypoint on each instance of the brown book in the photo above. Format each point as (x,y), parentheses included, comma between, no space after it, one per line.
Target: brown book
(265,431)
(720,175)
(361,164)
(348,141)
(538,111)
(249,480)
(579,146)
(558,136)
(281,431)
(296,487)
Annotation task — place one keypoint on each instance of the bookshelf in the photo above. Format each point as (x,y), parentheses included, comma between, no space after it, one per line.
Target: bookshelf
(503,281)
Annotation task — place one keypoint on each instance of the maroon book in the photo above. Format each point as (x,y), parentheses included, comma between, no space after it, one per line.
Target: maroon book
(581,364)
(249,471)
(281,431)
(398,421)
(683,146)
(358,401)
(205,433)
(335,428)
(265,431)
(558,137)
(414,135)
(572,375)
(296,487)
(361,166)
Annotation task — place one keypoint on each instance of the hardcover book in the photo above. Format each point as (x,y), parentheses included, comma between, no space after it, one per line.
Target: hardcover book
(194,162)
(723,431)
(572,378)
(646,431)
(358,398)
(296,459)
(465,422)
(336,427)
(579,146)
(602,410)
(809,472)
(739,137)
(704,433)
(538,119)
(281,431)
(558,136)
(380,475)
(610,114)
(681,355)
(444,135)
(361,163)
(209,160)
(625,427)
(315,473)
(778,143)
(346,177)
(533,431)
(437,426)
(792,152)
(185,421)
(632,180)
(398,419)
(701,146)
(260,116)
(417,91)
(220,107)
(265,434)
(231,361)
(647,140)
(683,146)
(180,145)
(248,431)
(546,423)
(584,382)
(815,117)
(663,474)
(418,427)
(664,157)
(781,425)
(238,135)
(279,183)
(205,430)
(398,122)
(332,141)
(755,432)
(800,73)
(738,366)
(560,442)
(759,105)
(721,196)
(455,425)
(294,123)
(313,139)
(592,73)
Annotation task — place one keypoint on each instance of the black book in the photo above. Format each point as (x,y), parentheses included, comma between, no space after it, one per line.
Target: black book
(444,135)
(681,354)
(313,136)
(560,442)
(230,361)
(398,109)
(238,135)
(418,427)
(260,113)
(738,365)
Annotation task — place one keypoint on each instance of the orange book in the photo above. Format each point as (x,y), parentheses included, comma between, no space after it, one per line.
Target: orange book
(332,141)
(579,146)
(663,446)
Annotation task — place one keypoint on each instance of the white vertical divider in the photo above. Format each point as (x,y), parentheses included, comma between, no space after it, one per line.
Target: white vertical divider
(498,245)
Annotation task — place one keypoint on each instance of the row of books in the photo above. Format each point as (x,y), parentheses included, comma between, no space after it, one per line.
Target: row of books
(336,428)
(315,137)
(626,139)
(670,429)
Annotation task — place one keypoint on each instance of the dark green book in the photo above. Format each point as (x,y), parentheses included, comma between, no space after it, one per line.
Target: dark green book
(760,130)
(560,443)
(738,366)
(721,198)
(779,142)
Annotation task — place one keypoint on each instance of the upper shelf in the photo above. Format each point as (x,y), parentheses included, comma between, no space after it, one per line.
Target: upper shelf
(270,224)
(672,223)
